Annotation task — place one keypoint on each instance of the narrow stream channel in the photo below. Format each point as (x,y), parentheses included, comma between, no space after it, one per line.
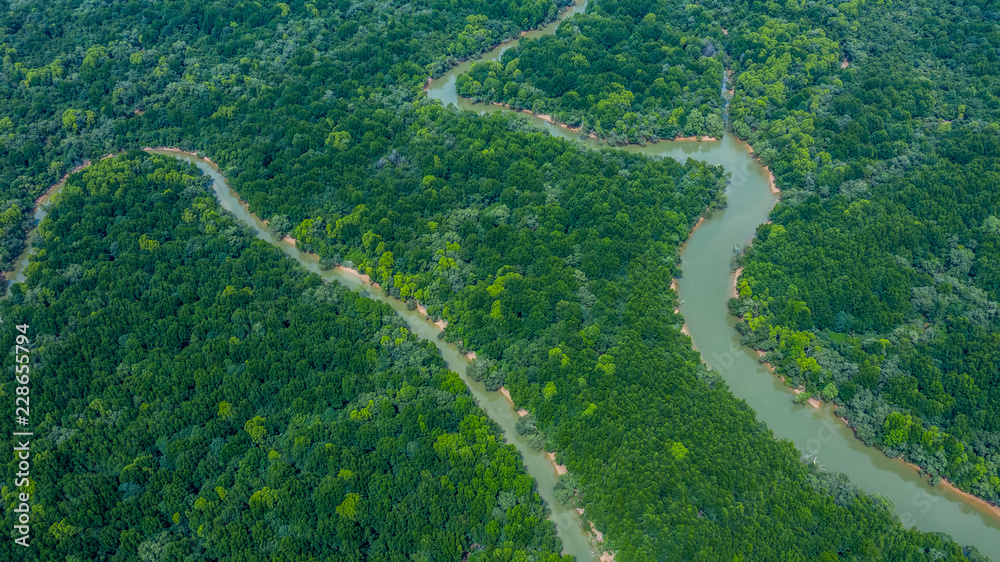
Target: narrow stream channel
(705,290)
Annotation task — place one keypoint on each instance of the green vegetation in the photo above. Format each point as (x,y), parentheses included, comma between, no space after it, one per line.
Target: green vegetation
(619,71)
(887,228)
(78,83)
(878,273)
(551,261)
(203,395)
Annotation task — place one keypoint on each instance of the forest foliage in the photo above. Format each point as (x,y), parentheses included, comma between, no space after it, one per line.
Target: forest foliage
(879,122)
(552,261)
(203,395)
(621,73)
(875,285)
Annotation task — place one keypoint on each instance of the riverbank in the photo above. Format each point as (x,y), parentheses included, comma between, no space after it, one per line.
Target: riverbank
(983,504)
(675,286)
(770,175)
(288,239)
(575,538)
(971,498)
(701,138)
(597,537)
(509,40)
(544,117)
(366,279)
(814,402)
(552,121)
(521,412)
(558,17)
(440,322)
(40,202)
(174,149)
(818,403)
(47,195)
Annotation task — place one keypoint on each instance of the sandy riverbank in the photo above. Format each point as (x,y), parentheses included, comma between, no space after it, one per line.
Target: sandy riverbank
(44,197)
(736,278)
(995,510)
(503,390)
(544,117)
(560,468)
(598,538)
(350,271)
(701,138)
(520,412)
(812,401)
(770,174)
(815,403)
(440,323)
(549,119)
(365,278)
(971,498)
(978,501)
(176,150)
(769,366)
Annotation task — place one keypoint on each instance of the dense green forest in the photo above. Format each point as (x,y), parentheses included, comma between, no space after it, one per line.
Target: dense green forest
(203,395)
(552,262)
(876,283)
(76,81)
(619,71)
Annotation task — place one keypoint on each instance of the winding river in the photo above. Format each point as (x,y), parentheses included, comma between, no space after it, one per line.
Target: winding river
(568,526)
(705,288)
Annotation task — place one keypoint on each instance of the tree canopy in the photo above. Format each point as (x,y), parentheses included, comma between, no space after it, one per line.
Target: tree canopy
(203,395)
(206,395)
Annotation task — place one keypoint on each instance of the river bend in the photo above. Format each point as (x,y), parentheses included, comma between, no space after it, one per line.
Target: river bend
(705,289)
